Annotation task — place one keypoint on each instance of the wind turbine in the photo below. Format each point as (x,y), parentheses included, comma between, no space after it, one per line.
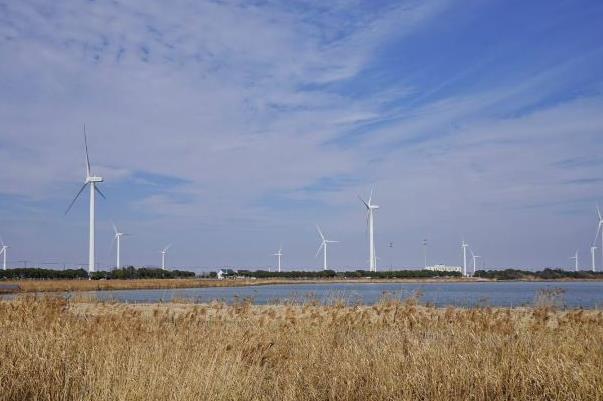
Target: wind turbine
(323,246)
(117,239)
(278,255)
(592,255)
(475,257)
(92,180)
(163,253)
(3,249)
(464,245)
(599,228)
(575,257)
(370,207)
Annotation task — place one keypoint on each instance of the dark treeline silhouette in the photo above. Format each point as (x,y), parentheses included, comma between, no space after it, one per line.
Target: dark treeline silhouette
(123,273)
(131,272)
(36,273)
(349,274)
(546,274)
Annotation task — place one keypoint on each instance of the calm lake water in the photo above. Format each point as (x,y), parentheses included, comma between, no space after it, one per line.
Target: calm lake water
(575,294)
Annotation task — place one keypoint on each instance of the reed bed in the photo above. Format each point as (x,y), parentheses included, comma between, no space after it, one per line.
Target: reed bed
(54,349)
(138,284)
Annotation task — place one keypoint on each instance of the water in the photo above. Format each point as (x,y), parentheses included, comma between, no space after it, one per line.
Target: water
(577,294)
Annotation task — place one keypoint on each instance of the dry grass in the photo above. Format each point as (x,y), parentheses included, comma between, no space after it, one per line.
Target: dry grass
(140,284)
(146,284)
(51,349)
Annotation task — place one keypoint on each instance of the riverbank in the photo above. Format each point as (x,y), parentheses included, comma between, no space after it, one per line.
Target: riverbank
(57,349)
(148,284)
(29,286)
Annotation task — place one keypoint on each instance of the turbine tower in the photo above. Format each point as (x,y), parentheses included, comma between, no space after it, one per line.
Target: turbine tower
(464,245)
(3,249)
(278,255)
(592,255)
(370,207)
(575,257)
(117,239)
(599,229)
(323,246)
(91,180)
(163,253)
(474,257)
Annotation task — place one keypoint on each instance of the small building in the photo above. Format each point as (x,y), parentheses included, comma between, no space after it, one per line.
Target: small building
(225,273)
(444,268)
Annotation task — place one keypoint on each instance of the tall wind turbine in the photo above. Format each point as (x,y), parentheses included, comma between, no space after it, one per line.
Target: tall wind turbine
(592,255)
(323,246)
(370,207)
(475,257)
(464,245)
(278,255)
(599,229)
(3,249)
(575,257)
(117,239)
(163,253)
(92,180)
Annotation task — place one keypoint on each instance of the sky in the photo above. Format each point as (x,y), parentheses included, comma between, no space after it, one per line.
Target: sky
(230,128)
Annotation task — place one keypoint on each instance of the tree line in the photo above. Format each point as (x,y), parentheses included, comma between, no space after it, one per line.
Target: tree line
(348,274)
(125,273)
(546,274)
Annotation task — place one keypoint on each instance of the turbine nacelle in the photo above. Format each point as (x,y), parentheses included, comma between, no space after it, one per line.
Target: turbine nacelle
(93,179)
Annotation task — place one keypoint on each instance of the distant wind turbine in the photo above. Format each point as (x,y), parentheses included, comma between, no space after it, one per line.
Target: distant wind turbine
(370,207)
(575,257)
(3,251)
(163,253)
(278,255)
(599,230)
(464,245)
(117,239)
(92,180)
(323,246)
(475,257)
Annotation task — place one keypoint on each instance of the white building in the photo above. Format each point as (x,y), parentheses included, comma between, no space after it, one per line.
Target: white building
(444,268)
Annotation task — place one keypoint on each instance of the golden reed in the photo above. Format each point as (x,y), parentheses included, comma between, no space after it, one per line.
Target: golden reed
(53,349)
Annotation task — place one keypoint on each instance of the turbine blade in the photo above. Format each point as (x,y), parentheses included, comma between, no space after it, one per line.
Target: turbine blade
(167,247)
(76,196)
(114,228)
(320,232)
(319,248)
(371,197)
(365,204)
(99,192)
(599,213)
(597,234)
(87,156)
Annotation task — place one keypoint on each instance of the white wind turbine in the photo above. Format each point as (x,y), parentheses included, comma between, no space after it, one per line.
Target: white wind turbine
(575,258)
(464,245)
(3,251)
(117,239)
(592,255)
(278,255)
(92,180)
(474,257)
(370,207)
(599,229)
(163,253)
(323,246)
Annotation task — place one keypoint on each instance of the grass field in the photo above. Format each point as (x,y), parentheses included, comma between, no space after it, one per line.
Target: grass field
(139,284)
(52,349)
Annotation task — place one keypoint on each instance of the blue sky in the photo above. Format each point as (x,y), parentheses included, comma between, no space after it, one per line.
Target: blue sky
(230,127)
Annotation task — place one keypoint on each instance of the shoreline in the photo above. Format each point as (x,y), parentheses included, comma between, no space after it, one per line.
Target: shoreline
(49,286)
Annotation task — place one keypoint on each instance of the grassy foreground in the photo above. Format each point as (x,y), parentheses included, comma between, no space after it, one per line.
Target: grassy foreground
(51,349)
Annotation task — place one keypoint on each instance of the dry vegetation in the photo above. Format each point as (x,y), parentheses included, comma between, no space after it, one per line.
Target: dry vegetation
(53,349)
(139,284)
